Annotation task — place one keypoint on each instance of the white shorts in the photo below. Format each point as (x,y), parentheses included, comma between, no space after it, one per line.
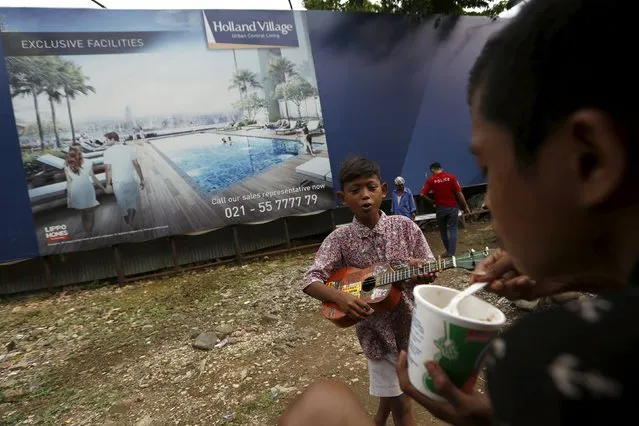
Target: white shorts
(382,375)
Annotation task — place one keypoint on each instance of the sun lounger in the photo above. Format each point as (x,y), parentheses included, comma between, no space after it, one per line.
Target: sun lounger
(317,170)
(292,128)
(51,161)
(58,163)
(55,190)
(314,127)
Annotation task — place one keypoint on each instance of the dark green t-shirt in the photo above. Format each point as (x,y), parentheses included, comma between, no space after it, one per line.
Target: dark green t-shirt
(583,369)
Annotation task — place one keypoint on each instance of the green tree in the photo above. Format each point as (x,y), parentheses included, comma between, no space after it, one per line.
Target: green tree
(295,90)
(416,8)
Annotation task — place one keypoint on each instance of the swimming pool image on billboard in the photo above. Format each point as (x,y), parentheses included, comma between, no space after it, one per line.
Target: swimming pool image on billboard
(213,165)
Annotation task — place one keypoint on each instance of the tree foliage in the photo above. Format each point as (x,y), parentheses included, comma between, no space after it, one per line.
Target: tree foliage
(251,105)
(52,77)
(415,8)
(296,90)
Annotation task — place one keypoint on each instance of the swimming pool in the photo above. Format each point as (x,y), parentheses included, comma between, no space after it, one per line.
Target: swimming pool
(213,165)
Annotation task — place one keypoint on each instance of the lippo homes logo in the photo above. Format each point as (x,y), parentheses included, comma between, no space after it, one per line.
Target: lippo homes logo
(56,233)
(249,29)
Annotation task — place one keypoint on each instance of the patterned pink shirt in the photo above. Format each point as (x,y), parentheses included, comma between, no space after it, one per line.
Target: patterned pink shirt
(393,241)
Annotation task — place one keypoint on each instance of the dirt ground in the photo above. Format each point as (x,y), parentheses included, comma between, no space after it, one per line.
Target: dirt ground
(109,355)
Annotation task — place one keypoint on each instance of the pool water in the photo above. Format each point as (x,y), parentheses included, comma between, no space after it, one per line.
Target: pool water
(213,165)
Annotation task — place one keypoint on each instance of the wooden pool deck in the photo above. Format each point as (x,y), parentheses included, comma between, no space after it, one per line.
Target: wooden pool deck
(170,205)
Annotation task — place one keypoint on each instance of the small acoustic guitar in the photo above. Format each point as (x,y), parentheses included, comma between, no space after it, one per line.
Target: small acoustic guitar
(378,286)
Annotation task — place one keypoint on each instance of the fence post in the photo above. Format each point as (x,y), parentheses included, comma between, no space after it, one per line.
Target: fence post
(174,256)
(332,215)
(118,264)
(286,234)
(48,274)
(236,244)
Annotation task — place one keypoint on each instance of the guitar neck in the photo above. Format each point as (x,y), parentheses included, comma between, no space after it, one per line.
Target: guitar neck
(414,271)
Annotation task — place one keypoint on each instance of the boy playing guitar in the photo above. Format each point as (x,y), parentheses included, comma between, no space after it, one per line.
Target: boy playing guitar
(372,238)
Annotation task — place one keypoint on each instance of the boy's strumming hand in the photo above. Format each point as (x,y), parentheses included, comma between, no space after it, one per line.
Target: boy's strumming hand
(352,306)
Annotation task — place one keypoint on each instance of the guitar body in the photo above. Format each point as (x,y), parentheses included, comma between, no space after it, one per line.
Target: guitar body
(361,284)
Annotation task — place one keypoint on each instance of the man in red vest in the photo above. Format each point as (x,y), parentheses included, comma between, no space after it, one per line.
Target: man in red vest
(447,197)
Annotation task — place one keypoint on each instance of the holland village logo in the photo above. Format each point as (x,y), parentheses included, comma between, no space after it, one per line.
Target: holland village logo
(253,27)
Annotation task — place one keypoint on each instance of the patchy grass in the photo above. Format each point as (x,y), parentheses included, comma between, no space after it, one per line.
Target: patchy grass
(114,355)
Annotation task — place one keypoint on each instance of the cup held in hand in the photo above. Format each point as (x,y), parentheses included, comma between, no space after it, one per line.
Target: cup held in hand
(455,342)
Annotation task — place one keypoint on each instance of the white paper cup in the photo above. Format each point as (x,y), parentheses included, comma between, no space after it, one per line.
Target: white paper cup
(456,343)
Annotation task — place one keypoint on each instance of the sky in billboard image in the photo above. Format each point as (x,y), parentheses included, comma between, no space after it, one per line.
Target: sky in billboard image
(180,76)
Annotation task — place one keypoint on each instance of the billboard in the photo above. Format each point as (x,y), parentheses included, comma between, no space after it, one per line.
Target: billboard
(124,125)
(138,125)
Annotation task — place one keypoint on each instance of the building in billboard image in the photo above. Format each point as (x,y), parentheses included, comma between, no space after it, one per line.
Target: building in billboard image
(164,122)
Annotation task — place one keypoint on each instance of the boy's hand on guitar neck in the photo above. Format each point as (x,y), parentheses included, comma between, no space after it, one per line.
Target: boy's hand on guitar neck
(425,278)
(352,306)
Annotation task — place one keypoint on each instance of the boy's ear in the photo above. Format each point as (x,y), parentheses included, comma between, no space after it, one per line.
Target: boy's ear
(340,196)
(385,189)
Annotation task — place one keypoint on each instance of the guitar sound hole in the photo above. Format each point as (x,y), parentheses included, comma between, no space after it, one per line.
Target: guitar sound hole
(368,284)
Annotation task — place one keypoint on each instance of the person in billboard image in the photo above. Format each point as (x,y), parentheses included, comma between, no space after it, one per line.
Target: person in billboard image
(403,202)
(307,140)
(121,167)
(80,186)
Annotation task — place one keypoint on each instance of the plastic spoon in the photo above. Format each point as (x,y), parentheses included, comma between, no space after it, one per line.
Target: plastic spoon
(451,308)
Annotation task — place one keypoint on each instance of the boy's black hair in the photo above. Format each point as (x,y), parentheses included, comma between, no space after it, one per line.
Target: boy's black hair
(435,166)
(357,167)
(554,58)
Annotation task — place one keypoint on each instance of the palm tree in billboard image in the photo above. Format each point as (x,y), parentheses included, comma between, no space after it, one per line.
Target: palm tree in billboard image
(53,89)
(280,69)
(74,84)
(243,80)
(49,75)
(28,77)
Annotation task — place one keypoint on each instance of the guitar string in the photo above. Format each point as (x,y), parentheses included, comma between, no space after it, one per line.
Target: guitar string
(406,273)
(434,266)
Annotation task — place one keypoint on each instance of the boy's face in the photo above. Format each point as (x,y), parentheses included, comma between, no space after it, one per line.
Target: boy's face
(363,196)
(548,214)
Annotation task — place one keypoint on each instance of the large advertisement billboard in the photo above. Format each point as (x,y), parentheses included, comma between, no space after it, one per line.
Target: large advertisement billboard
(138,125)
(125,125)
